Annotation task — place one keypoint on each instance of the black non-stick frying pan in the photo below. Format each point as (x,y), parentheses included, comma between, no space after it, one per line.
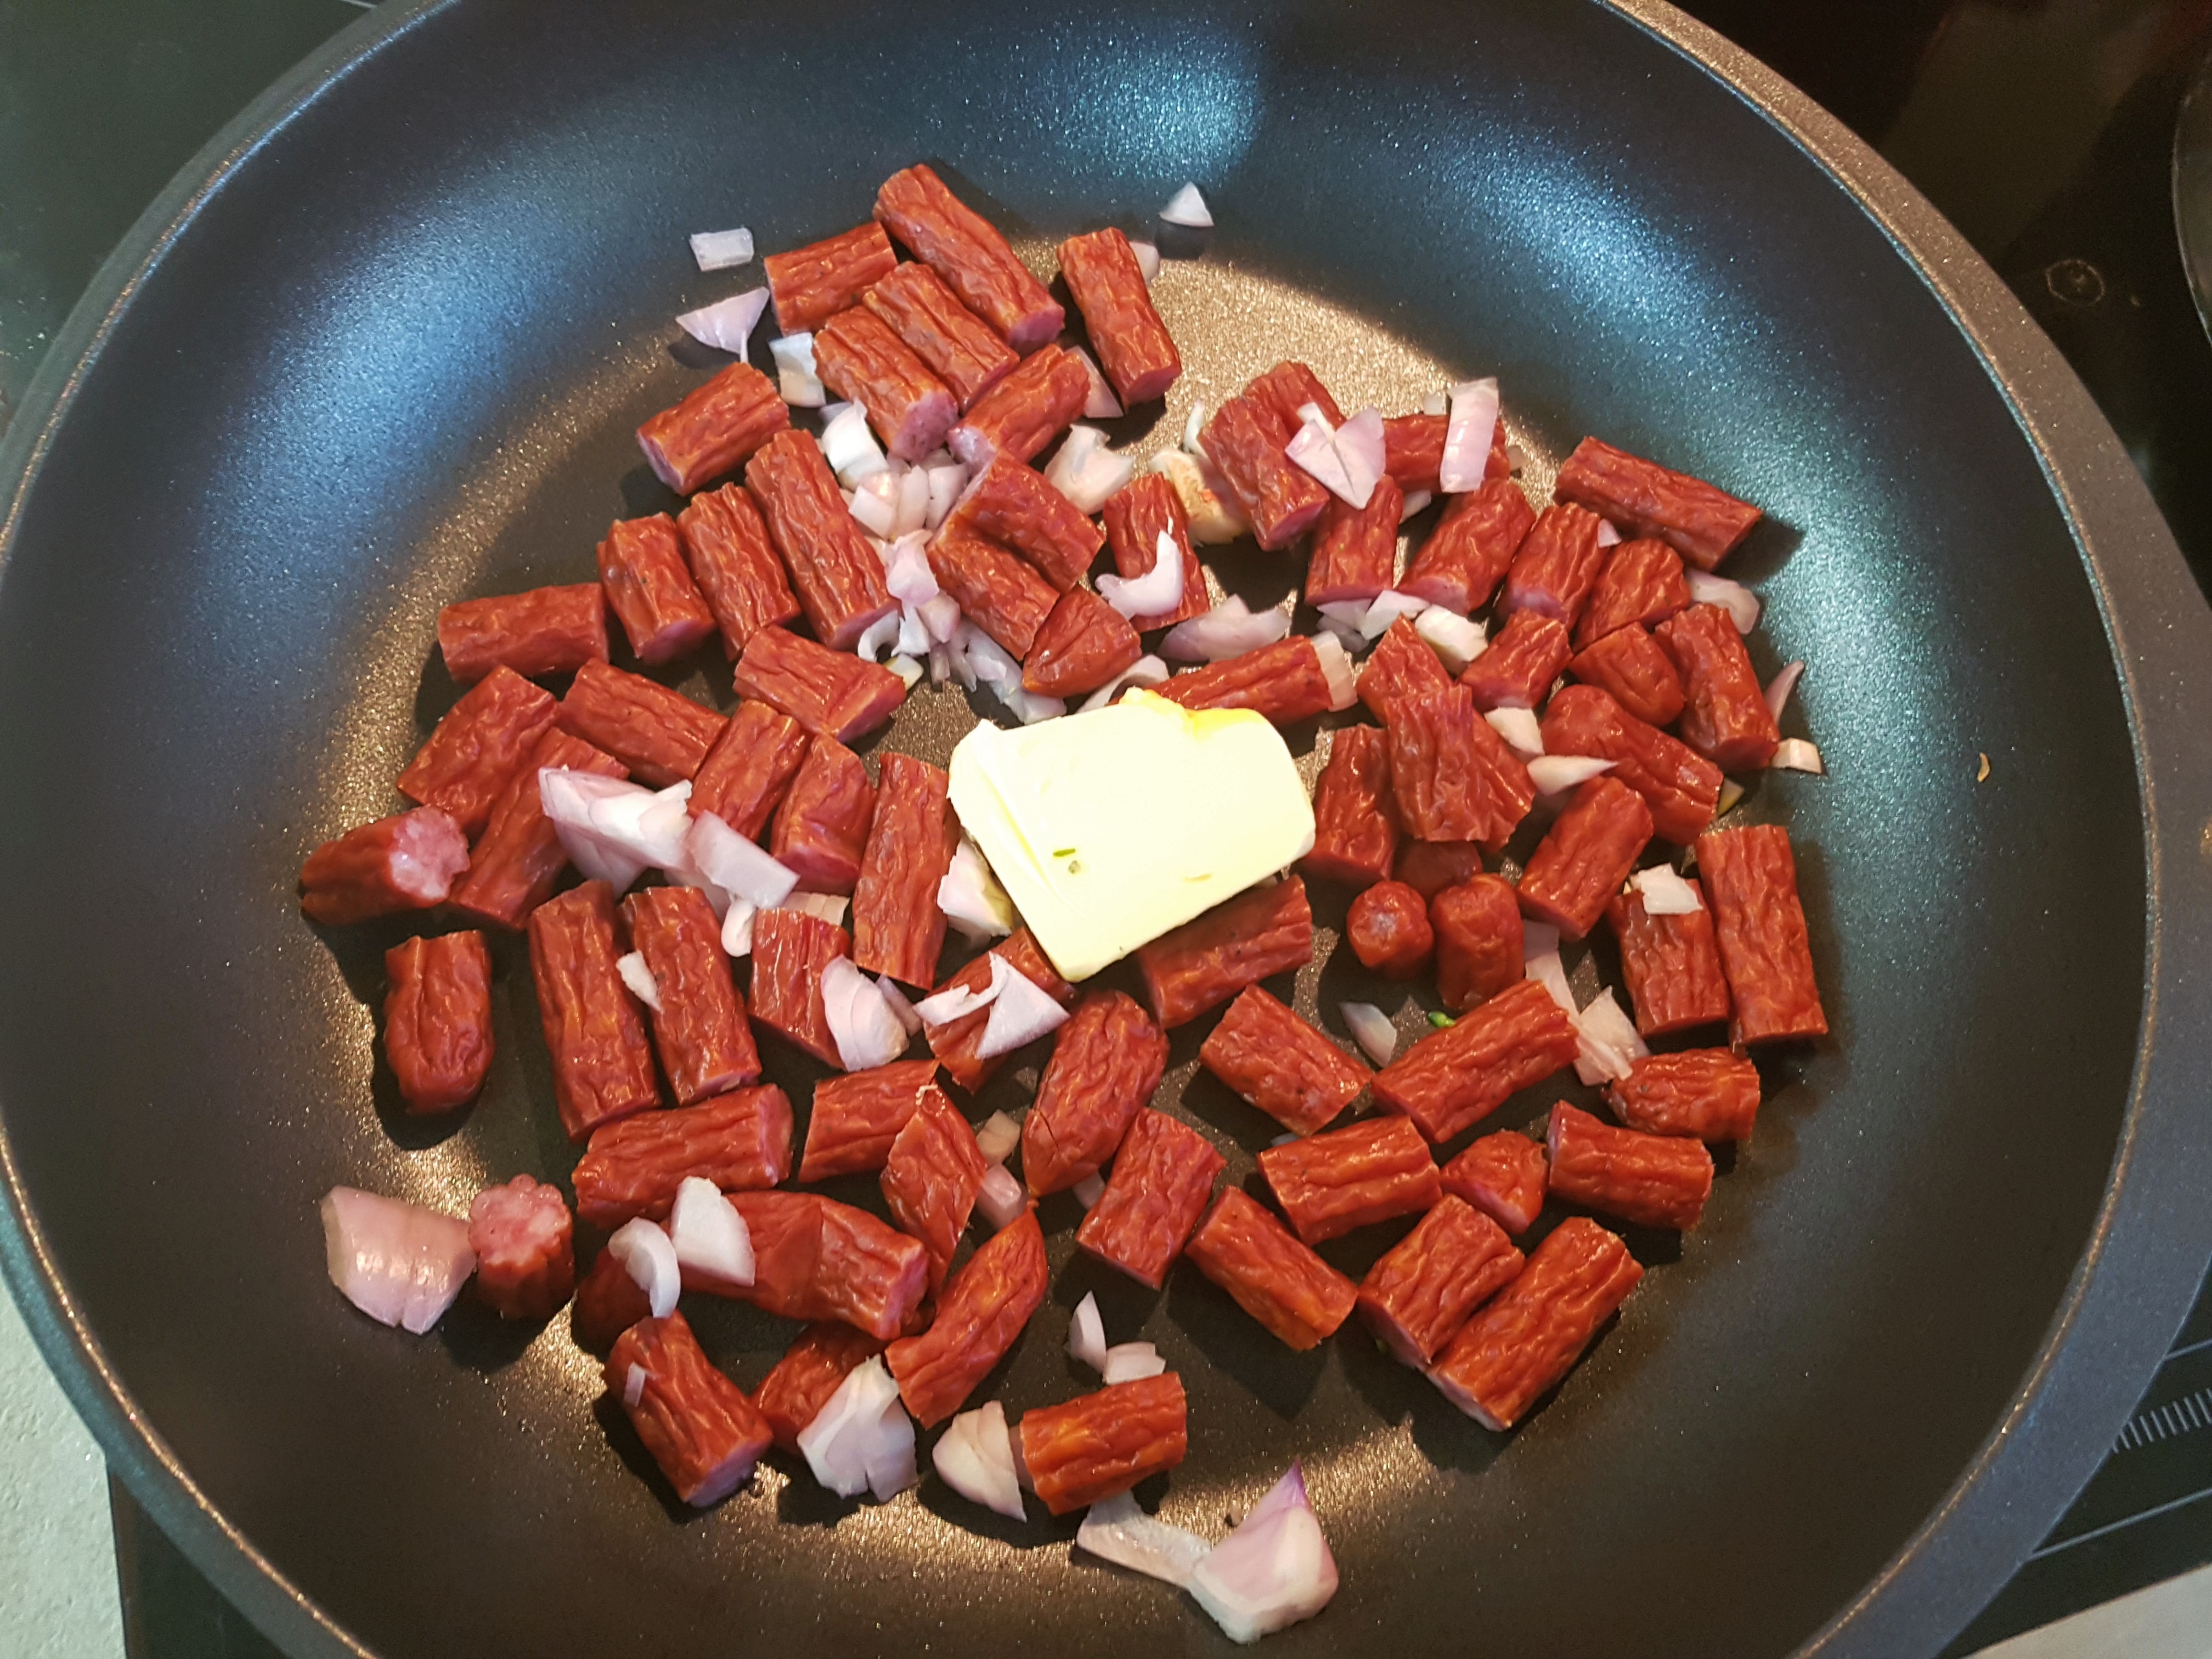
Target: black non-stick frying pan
(383,347)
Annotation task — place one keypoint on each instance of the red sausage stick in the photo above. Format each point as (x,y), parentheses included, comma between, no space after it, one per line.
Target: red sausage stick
(1245,440)
(1285,682)
(1556,569)
(1355,548)
(1751,881)
(1471,549)
(1672,964)
(1635,671)
(838,576)
(1585,856)
(1510,1354)
(813,1368)
(965,249)
(814,1258)
(1109,287)
(650,589)
(749,768)
(702,1430)
(810,285)
(709,434)
(1479,940)
(479,745)
(1708,1093)
(983,1310)
(1201,964)
(1681,786)
(1162,1179)
(1434,779)
(996,590)
(898,928)
(1023,412)
(1402,666)
(1332,1184)
(1652,1181)
(660,735)
(955,1041)
(524,1246)
(546,630)
(608,1303)
(437,1019)
(959,346)
(1641,582)
(1106,1061)
(1355,817)
(519,857)
(1137,515)
(741,1141)
(738,572)
(1725,715)
(1517,671)
(1422,1290)
(1084,643)
(790,950)
(857,1117)
(1241,1246)
(858,356)
(405,862)
(821,828)
(706,1045)
(1502,1174)
(826,691)
(1462,1074)
(1430,866)
(1702,523)
(1389,929)
(1270,1058)
(931,1177)
(1101,1445)
(1010,503)
(602,1063)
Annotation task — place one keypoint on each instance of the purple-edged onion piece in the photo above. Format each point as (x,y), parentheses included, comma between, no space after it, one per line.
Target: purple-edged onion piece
(639,977)
(1784,683)
(1187,208)
(1739,601)
(1117,1529)
(1000,1199)
(398,1263)
(1273,1570)
(866,1031)
(727,325)
(975,1458)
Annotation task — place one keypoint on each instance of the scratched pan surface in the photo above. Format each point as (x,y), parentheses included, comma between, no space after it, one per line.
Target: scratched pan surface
(393,357)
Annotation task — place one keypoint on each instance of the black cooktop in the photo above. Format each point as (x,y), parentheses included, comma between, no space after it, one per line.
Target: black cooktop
(2043,128)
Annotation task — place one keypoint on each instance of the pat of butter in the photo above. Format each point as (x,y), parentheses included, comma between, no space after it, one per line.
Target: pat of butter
(1110,828)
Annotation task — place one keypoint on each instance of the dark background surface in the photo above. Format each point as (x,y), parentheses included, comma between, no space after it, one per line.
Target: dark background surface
(2042,129)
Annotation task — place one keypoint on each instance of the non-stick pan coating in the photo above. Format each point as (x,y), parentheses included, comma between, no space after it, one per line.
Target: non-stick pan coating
(394,359)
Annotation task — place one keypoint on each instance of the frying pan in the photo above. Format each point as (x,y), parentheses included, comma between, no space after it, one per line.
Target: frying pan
(382,346)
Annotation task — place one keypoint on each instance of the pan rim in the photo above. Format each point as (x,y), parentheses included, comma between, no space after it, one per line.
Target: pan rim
(2067,1405)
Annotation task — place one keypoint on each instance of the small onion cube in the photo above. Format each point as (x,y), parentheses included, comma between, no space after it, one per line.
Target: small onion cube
(1523,731)
(947,481)
(879,636)
(1131,1362)
(1416,501)
(861,1023)
(850,447)
(718,250)
(1187,208)
(639,977)
(1145,671)
(1546,970)
(707,1234)
(738,865)
(1387,607)
(1230,629)
(649,1257)
(1336,669)
(913,642)
(1156,593)
(1467,436)
(1606,1042)
(913,503)
(975,1457)
(1021,1011)
(1607,535)
(1664,891)
(1784,683)
(1086,471)
(1796,755)
(899,1005)
(1457,640)
(1554,775)
(1101,404)
(940,615)
(727,325)
(400,1264)
(971,899)
(738,928)
(1371,1029)
(1117,1529)
(998,1137)
(1148,259)
(1000,1198)
(1739,601)
(862,1440)
(1273,1570)
(1087,1333)
(795,379)
(1089,1190)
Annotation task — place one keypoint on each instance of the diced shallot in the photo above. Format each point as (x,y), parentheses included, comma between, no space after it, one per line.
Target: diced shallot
(741,867)
(707,1234)
(1156,593)
(1131,1362)
(862,1440)
(1117,1529)
(567,798)
(879,636)
(998,1137)
(913,503)
(971,899)
(1796,755)
(1665,893)
(1414,500)
(946,480)
(975,1457)
(1523,731)
(1206,499)
(794,371)
(1148,258)
(866,1031)
(1554,775)
(1546,968)
(639,977)
(907,1015)
(398,1263)
(875,504)
(738,928)
(1187,208)
(1467,436)
(1387,607)
(1229,629)
(633,1381)
(623,824)
(718,250)
(649,1257)
(1000,1198)
(1021,1011)
(1341,468)
(1784,683)
(1739,601)
(1606,1042)
(1089,1190)
(1359,441)
(727,325)
(849,447)
(1336,669)
(1371,1029)
(1101,404)
(1274,1569)
(1458,640)
(1086,472)
(1607,535)
(1145,671)
(1087,1333)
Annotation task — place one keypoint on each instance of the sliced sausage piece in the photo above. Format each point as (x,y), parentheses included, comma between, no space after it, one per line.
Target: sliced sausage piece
(1648,1180)
(1426,1285)
(897,928)
(967,250)
(709,434)
(1672,964)
(790,950)
(1434,779)
(1708,1093)
(1430,866)
(1585,856)
(1751,881)
(1479,940)
(1703,523)
(1334,1183)
(437,1019)
(1504,1175)
(1402,666)
(1471,548)
(405,862)
(1681,786)
(1106,1061)
(700,1027)
(1011,504)
(1389,929)
(1355,548)
(519,857)
(546,630)
(741,1141)
(1724,714)
(984,1307)
(814,1258)
(660,735)
(859,357)
(1163,1176)
(1459,1075)
(1641,582)
(1517,671)
(726,541)
(1245,440)
(702,1430)
(1137,515)
(821,828)
(524,1244)
(831,693)
(1275,1060)
(1263,931)
(1025,411)
(813,1368)
(1284,681)
(1281,1283)
(959,347)
(479,745)
(594,1036)
(810,285)
(1556,569)
(608,1303)
(650,589)
(1100,1445)
(931,1176)
(856,1118)
(1109,287)
(997,591)
(1635,671)
(1355,819)
(749,768)
(1084,643)
(838,576)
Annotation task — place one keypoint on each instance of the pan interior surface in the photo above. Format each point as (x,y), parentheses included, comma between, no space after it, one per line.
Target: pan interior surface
(396,360)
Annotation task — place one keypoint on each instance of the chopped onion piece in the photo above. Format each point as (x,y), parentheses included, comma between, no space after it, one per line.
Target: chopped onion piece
(850,447)
(1416,501)
(707,1234)
(1312,449)
(1386,608)
(1554,775)
(1438,402)
(1193,424)
(874,505)
(975,1457)
(899,1004)
(913,641)
(1117,1529)
(1371,1029)
(567,798)
(1796,755)
(738,928)
(1458,640)
(828,906)
(1089,1190)
(941,616)
(718,250)
(1467,436)
(913,502)
(1187,208)
(1336,669)
(635,974)
(1101,404)
(1523,731)
(740,866)
(1086,472)
(1739,601)
(947,481)
(1145,671)
(1205,500)
(971,899)
(1021,1011)
(1086,1333)
(398,1263)
(998,1137)
(1607,535)
(1606,1042)
(1273,1570)
(879,636)
(1731,792)
(1130,1362)
(956,1001)
(727,325)
(861,1023)
(1546,970)
(649,1259)
(1029,706)
(1665,893)
(794,371)
(907,573)
(1156,593)
(1000,1197)
(862,1440)
(633,1381)
(1359,441)
(1229,629)
(1148,258)
(1784,683)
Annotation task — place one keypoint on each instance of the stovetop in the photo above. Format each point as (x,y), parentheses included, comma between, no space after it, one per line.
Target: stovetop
(2043,129)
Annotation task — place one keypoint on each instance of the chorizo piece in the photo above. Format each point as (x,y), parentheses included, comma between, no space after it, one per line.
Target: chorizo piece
(814,1258)
(1585,856)
(1635,671)
(524,1244)
(706,1045)
(897,928)
(831,693)
(1672,964)
(1109,289)
(1275,1060)
(1430,866)
(931,1176)
(1281,1283)
(821,828)
(1402,666)
(1502,1174)
(1681,786)
(1137,515)
(1641,582)
(1651,1181)
(1334,1183)
(1703,523)
(960,347)
(813,1368)
(1455,1077)
(660,735)
(860,357)
(1708,1093)
(1389,929)
(967,250)
(1245,440)
(997,591)
(1517,671)
(1438,788)
(1083,644)
(650,589)
(1556,569)
(437,1019)
(1355,819)
(810,285)
(983,1310)
(519,857)
(602,1065)
(741,1141)
(1751,881)
(1025,411)
(1285,682)
(405,862)
(1099,1446)
(1263,931)
(1106,1061)
(1506,785)
(749,768)
(1724,714)
(857,1117)
(738,572)
(839,579)
(1426,1285)
(545,630)
(790,950)
(1163,1176)
(702,1430)
(1355,548)
(608,1302)
(1479,940)
(712,431)
(479,745)
(1011,504)
(1471,548)
(954,1042)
